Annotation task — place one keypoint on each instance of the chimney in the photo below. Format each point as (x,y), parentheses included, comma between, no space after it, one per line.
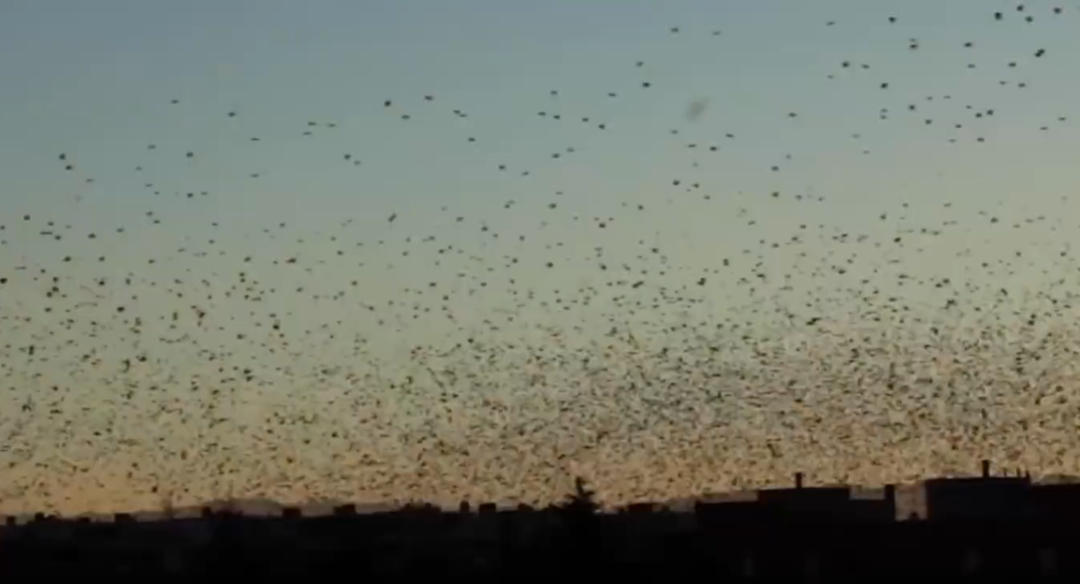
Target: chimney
(890,493)
(798,480)
(985,469)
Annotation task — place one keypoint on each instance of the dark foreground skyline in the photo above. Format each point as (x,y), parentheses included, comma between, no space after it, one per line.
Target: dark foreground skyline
(993,528)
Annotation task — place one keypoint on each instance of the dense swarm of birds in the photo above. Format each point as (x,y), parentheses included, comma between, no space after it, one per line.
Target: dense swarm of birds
(434,354)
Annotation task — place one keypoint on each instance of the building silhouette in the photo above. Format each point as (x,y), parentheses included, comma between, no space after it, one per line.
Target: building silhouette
(801,504)
(982,498)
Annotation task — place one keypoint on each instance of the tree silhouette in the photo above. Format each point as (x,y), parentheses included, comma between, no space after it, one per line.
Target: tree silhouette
(582,501)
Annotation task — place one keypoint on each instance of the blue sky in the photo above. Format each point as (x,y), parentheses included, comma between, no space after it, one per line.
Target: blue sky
(96,80)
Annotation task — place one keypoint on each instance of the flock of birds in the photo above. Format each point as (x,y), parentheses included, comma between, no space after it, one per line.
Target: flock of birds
(454,358)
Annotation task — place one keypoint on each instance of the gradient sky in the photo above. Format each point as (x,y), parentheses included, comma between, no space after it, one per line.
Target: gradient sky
(95,80)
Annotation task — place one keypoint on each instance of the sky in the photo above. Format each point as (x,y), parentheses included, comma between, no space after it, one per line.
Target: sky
(786,142)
